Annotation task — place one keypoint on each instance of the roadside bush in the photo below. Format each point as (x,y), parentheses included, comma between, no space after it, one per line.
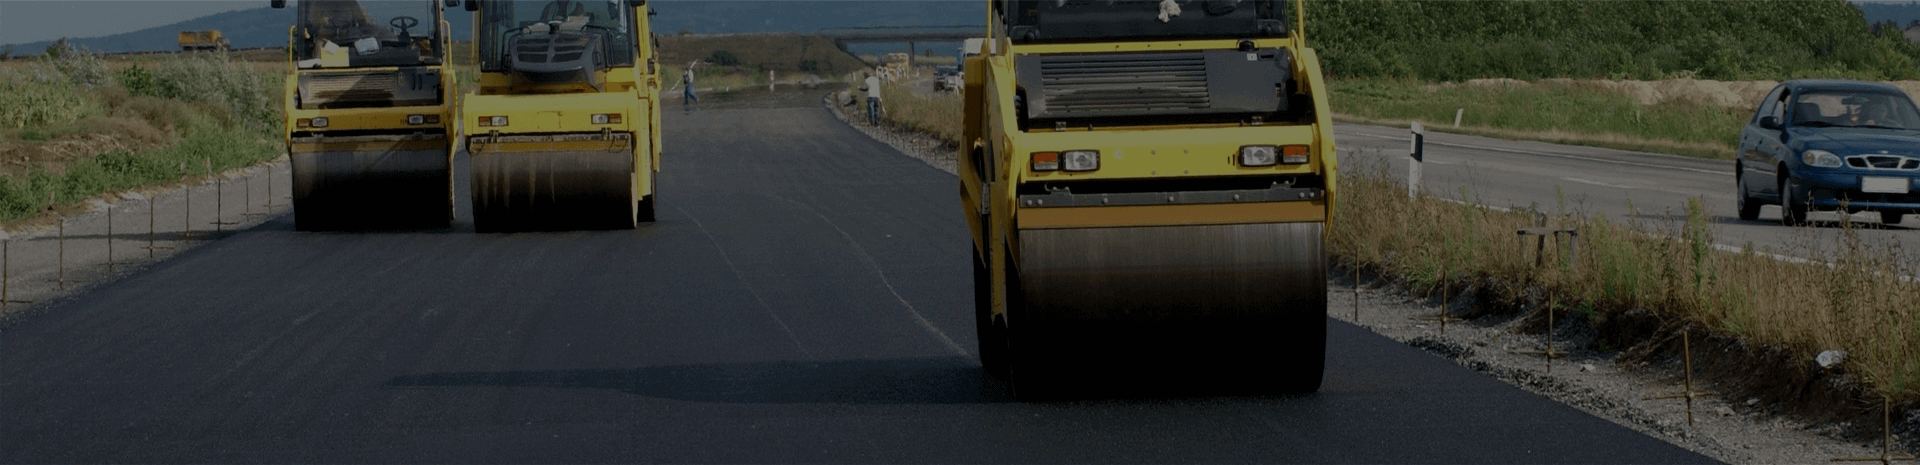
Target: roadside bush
(1447,40)
(82,68)
(139,81)
(212,78)
(35,99)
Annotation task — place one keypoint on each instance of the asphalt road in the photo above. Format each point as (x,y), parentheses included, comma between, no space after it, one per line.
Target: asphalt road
(804,298)
(1625,186)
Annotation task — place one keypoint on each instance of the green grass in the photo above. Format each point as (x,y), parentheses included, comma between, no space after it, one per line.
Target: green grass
(1561,112)
(205,143)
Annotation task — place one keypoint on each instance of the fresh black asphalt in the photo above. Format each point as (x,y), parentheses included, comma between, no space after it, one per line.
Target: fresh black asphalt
(804,298)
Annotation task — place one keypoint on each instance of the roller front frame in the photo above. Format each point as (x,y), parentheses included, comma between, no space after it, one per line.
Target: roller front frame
(554,166)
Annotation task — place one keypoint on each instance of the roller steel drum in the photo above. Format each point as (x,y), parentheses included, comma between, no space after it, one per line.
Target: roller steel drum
(528,190)
(371,181)
(1247,301)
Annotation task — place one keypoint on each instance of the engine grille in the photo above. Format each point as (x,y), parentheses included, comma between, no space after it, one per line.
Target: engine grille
(1091,86)
(1134,83)
(1884,162)
(553,49)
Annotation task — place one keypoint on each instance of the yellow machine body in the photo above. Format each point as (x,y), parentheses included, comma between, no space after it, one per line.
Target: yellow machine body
(582,152)
(370,130)
(1172,248)
(209,41)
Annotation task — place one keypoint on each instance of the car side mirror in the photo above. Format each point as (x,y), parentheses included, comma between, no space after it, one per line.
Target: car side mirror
(636,3)
(1770,122)
(473,5)
(278,4)
(452,3)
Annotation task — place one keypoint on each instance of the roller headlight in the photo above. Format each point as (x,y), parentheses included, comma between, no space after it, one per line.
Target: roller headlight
(1820,158)
(423,119)
(1080,160)
(320,122)
(493,121)
(606,118)
(1259,155)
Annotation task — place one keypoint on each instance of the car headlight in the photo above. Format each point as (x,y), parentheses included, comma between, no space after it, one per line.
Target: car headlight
(1820,158)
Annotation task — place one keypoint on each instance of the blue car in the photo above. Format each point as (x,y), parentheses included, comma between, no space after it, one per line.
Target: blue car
(1829,145)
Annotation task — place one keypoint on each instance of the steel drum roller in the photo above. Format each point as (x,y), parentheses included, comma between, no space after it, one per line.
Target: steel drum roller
(1244,301)
(542,190)
(1173,274)
(371,180)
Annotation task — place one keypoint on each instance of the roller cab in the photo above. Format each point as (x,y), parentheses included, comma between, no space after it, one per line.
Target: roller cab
(369,114)
(1148,188)
(564,130)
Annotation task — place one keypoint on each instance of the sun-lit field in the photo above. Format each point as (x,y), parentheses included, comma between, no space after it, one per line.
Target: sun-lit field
(76,125)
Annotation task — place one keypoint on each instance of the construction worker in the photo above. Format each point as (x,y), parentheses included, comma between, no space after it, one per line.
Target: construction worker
(687,97)
(873,99)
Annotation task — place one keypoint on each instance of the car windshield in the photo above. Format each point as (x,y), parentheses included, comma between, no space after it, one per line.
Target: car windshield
(1862,109)
(351,34)
(1043,21)
(607,21)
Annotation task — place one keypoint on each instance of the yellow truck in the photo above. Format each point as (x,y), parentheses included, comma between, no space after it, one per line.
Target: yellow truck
(203,41)
(1148,184)
(564,131)
(370,114)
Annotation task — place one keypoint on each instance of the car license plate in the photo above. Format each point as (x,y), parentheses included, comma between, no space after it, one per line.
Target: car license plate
(1884,185)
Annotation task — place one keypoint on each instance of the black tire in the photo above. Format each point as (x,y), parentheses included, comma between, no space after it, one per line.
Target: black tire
(1748,206)
(645,209)
(990,334)
(308,218)
(1891,218)
(1793,203)
(1305,354)
(485,220)
(1031,367)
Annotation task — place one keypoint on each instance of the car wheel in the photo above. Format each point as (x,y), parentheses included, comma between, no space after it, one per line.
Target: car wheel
(1793,203)
(1891,218)
(1749,208)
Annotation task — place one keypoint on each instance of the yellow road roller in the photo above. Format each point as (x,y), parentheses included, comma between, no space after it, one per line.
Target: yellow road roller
(1148,185)
(564,132)
(369,114)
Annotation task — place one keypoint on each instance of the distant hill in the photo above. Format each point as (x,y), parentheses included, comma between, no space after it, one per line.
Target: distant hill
(773,51)
(266,27)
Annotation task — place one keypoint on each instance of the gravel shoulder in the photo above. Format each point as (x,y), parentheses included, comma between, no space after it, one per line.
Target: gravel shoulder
(1506,346)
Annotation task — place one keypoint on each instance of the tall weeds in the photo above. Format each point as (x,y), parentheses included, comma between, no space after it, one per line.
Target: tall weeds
(179,115)
(1860,304)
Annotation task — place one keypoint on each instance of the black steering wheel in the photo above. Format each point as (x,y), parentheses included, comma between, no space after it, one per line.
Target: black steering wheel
(403,23)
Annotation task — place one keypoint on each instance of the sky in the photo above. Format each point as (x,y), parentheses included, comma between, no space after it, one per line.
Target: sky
(23,21)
